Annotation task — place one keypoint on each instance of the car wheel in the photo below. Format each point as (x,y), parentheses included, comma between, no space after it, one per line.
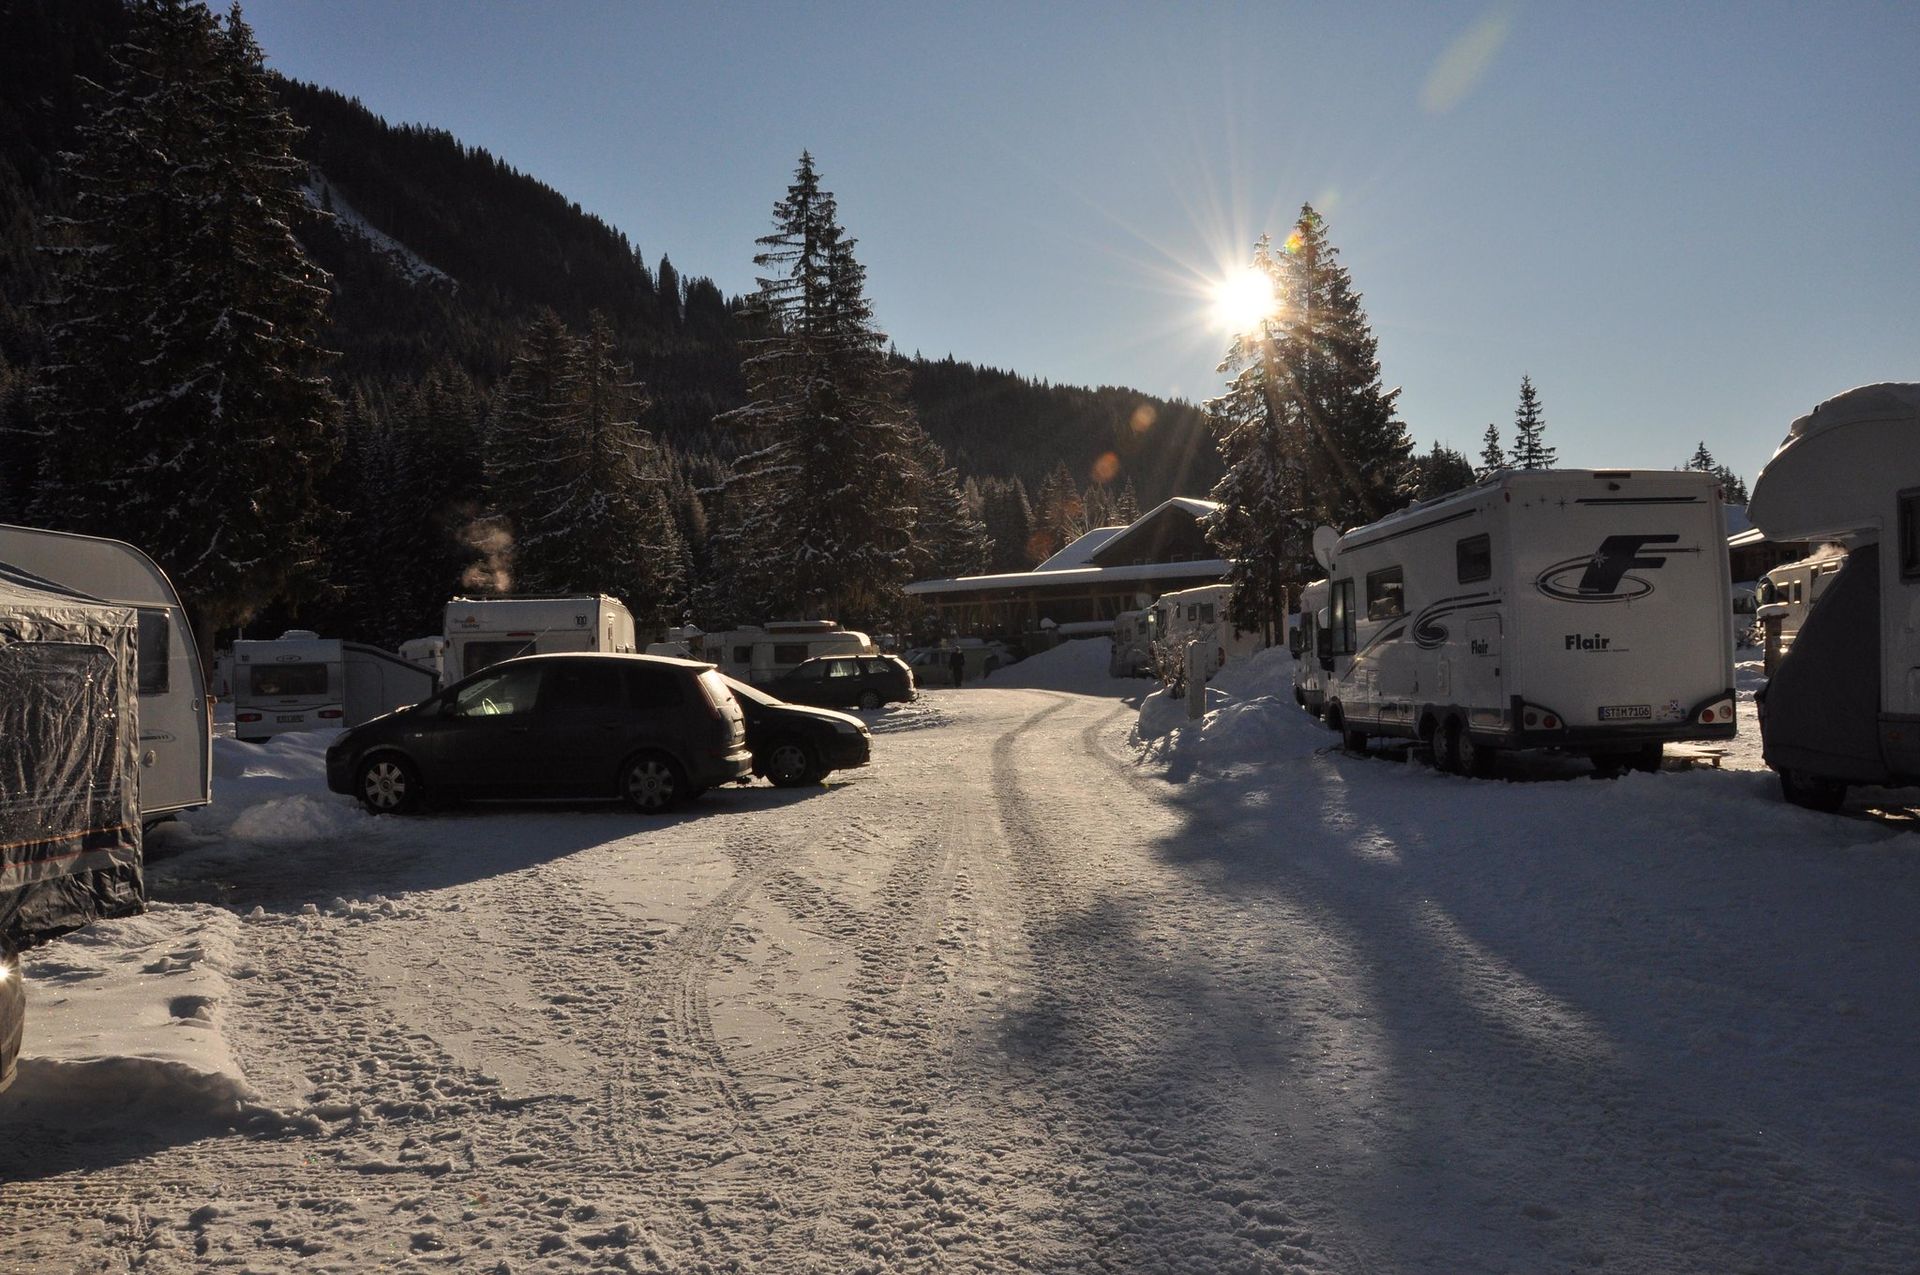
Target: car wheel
(1812,792)
(870,699)
(388,784)
(1475,758)
(652,783)
(790,764)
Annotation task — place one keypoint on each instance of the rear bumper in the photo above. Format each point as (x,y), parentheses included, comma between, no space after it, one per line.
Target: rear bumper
(1622,738)
(713,769)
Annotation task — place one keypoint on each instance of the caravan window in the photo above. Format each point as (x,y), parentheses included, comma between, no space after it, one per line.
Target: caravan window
(154,650)
(742,655)
(1341,624)
(1910,534)
(1473,558)
(481,655)
(789,652)
(280,680)
(1206,613)
(1386,594)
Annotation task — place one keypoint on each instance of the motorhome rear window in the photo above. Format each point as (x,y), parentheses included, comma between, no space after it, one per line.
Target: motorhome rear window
(281,680)
(155,651)
(1910,534)
(789,652)
(481,655)
(1386,594)
(1473,558)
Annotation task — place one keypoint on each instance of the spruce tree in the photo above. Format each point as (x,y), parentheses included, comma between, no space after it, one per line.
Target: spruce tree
(534,416)
(1492,459)
(1702,459)
(1529,424)
(822,498)
(1444,471)
(184,403)
(1126,506)
(947,539)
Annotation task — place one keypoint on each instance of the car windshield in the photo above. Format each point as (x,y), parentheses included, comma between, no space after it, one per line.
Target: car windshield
(742,691)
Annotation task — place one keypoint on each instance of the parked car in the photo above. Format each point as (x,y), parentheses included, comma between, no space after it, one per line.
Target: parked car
(13,1014)
(794,744)
(650,730)
(835,680)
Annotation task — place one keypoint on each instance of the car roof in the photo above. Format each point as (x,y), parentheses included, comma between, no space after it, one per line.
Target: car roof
(672,661)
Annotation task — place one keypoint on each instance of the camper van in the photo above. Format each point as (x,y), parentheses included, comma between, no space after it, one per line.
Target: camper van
(1308,635)
(483,631)
(1582,610)
(1792,588)
(760,653)
(1843,707)
(302,681)
(1202,615)
(1132,646)
(176,722)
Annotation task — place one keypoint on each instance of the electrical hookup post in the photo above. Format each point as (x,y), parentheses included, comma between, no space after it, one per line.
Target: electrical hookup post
(1196,681)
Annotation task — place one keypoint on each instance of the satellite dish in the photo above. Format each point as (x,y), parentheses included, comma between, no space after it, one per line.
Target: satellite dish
(1324,539)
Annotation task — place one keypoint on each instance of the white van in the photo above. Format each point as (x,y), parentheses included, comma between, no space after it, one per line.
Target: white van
(760,653)
(176,718)
(483,631)
(302,681)
(1843,707)
(1583,610)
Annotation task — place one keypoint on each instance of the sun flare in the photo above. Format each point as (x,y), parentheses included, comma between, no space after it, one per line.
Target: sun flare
(1242,300)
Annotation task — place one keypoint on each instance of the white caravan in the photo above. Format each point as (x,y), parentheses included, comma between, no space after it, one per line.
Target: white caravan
(302,681)
(428,652)
(1843,707)
(1203,615)
(176,717)
(1584,610)
(1309,634)
(1793,587)
(1132,646)
(484,631)
(760,653)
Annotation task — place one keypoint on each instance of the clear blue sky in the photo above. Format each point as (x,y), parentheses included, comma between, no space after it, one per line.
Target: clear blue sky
(1684,221)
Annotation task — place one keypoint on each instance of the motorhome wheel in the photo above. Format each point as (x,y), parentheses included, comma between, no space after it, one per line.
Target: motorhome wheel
(388,784)
(1812,792)
(1446,748)
(1475,758)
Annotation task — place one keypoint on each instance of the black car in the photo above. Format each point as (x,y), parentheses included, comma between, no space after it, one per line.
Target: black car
(867,681)
(651,730)
(793,744)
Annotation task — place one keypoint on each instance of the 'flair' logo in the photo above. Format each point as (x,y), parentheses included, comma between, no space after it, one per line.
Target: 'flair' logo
(1606,574)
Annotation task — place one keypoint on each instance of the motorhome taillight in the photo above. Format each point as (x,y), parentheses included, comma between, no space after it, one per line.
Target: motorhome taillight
(246,717)
(1550,721)
(330,714)
(1533,719)
(1720,711)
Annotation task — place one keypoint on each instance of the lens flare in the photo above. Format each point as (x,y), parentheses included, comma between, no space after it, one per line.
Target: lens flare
(1143,418)
(1105,468)
(1243,300)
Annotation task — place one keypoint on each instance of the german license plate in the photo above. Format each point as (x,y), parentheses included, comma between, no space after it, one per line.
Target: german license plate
(297,717)
(1626,712)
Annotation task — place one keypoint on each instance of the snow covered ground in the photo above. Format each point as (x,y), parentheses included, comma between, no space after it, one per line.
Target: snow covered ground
(1063,981)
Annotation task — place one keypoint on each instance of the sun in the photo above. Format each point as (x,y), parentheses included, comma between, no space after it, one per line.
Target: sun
(1242,300)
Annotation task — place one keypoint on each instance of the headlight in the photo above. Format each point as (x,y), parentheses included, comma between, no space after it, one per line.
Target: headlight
(848,728)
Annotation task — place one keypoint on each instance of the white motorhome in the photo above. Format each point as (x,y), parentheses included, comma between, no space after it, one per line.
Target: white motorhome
(484,631)
(428,653)
(1843,707)
(176,718)
(302,681)
(760,653)
(1583,610)
(1203,615)
(1790,590)
(1309,634)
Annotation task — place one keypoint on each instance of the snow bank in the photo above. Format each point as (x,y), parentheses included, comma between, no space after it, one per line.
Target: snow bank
(1078,665)
(269,795)
(127,1016)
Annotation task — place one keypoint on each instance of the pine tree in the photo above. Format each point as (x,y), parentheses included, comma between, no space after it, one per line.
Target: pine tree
(1492,459)
(823,498)
(1126,507)
(1009,520)
(947,539)
(1529,452)
(184,404)
(1444,471)
(1702,459)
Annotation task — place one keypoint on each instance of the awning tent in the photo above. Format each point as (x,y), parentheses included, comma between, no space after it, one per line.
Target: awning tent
(70,847)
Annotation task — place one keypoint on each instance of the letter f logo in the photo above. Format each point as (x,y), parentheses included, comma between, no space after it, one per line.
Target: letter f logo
(1616,557)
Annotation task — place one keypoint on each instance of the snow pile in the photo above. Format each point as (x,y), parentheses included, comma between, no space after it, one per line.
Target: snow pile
(125,1017)
(1250,714)
(1079,665)
(268,795)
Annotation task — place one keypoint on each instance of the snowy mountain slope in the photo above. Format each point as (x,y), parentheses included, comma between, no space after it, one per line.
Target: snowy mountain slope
(407,263)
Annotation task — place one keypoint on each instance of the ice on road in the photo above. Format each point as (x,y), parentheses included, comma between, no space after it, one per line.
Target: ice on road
(1053,985)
